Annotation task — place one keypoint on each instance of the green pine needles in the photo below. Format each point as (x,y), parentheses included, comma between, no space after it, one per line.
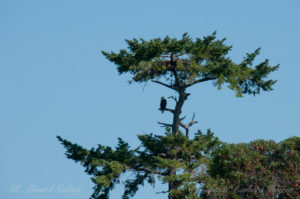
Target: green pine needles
(201,167)
(152,159)
(193,62)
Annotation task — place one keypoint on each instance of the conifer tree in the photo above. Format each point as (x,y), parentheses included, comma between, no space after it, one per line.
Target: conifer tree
(175,159)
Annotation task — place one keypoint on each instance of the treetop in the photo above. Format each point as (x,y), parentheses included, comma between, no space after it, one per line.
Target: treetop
(181,63)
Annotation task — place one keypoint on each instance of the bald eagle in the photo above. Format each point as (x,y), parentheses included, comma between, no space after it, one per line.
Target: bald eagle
(163,104)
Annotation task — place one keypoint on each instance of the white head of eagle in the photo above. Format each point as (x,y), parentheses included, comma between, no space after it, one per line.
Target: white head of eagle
(163,104)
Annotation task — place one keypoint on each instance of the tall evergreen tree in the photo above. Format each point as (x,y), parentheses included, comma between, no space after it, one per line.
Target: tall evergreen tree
(177,160)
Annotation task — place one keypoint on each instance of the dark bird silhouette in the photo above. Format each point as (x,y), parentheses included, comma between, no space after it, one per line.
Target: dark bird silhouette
(163,104)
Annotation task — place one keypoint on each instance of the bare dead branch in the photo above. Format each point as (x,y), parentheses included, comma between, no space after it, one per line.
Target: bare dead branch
(164,124)
(174,98)
(182,118)
(182,125)
(193,117)
(192,121)
(170,110)
(166,85)
(187,95)
(187,126)
(167,109)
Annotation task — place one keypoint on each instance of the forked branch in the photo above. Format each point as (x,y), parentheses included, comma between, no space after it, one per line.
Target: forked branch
(174,98)
(188,125)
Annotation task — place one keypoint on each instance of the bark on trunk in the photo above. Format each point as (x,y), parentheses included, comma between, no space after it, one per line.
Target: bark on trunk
(177,111)
(175,129)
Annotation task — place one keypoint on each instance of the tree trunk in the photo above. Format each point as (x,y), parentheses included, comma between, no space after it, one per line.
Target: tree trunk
(171,184)
(175,129)
(177,111)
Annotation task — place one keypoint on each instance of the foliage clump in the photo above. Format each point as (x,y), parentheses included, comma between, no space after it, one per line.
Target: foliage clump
(205,166)
(186,62)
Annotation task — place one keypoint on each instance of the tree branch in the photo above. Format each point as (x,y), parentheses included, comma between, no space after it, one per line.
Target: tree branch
(199,80)
(148,171)
(164,124)
(164,56)
(187,126)
(166,85)
(168,109)
(162,192)
(193,117)
(182,118)
(174,98)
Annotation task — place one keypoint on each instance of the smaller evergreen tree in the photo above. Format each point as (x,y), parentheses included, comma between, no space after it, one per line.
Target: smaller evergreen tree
(259,169)
(148,162)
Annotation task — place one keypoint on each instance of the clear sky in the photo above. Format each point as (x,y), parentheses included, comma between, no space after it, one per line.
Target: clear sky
(54,81)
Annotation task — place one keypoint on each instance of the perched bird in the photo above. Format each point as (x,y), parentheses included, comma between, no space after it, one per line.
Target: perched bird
(163,104)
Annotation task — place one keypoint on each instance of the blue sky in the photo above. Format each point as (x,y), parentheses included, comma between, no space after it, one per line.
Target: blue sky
(54,81)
